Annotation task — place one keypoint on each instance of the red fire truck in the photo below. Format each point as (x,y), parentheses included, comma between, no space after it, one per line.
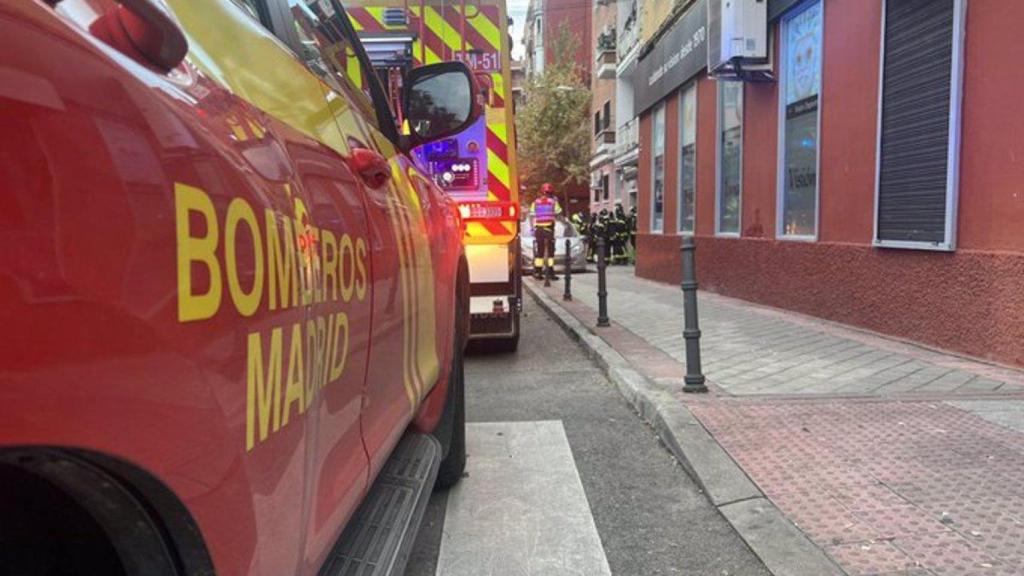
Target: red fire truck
(233,304)
(478,166)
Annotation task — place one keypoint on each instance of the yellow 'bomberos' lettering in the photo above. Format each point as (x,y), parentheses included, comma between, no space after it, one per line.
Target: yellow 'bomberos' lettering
(200,249)
(282,271)
(246,303)
(348,267)
(329,261)
(361,279)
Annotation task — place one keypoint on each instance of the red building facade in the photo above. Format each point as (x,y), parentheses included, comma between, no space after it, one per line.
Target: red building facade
(959,286)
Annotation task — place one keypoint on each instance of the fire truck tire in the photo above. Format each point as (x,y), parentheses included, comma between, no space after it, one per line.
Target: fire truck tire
(454,462)
(86,513)
(451,431)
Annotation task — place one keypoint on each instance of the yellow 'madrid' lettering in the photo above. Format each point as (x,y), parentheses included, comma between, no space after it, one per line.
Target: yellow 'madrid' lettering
(191,306)
(315,360)
(295,391)
(317,355)
(263,388)
(292,262)
(338,356)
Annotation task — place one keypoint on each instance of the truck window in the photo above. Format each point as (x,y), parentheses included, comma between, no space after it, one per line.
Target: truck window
(328,52)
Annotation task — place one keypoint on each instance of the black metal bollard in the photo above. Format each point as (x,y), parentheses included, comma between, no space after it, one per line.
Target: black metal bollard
(567,295)
(602,291)
(694,380)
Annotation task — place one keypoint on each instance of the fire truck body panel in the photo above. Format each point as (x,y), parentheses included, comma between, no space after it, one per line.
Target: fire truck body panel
(477,168)
(198,284)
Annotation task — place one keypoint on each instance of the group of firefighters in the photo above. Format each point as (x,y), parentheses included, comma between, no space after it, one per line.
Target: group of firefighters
(617,228)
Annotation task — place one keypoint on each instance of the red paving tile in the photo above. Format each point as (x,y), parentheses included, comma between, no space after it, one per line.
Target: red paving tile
(885,487)
(872,558)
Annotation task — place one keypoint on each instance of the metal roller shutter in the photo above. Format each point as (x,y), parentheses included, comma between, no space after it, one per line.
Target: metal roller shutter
(917,89)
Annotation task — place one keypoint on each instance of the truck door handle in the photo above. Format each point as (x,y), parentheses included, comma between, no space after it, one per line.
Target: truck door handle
(372,168)
(143,31)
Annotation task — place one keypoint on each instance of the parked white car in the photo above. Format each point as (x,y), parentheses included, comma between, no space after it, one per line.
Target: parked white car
(563,230)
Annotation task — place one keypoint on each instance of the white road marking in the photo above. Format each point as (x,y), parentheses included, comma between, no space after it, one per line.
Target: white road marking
(522,510)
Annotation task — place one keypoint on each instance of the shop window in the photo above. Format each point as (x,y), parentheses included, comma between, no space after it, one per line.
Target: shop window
(730,156)
(800,120)
(658,170)
(918,142)
(687,158)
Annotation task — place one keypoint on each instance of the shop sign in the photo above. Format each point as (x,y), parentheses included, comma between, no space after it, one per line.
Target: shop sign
(674,59)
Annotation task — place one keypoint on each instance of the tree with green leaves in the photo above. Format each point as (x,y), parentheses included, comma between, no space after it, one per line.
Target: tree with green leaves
(552,124)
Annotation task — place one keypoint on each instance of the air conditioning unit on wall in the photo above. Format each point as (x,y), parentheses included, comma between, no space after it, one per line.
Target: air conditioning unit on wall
(739,47)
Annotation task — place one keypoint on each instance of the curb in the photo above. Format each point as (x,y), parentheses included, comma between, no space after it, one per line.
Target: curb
(783,548)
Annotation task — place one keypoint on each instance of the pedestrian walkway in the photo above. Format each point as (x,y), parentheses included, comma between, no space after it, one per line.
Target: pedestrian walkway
(893,458)
(754,350)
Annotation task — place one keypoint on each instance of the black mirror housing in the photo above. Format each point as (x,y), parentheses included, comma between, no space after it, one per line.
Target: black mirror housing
(438,101)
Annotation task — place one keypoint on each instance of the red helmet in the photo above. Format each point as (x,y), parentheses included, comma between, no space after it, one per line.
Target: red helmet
(547,188)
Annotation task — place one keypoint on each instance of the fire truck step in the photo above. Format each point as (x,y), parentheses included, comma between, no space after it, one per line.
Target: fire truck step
(379,538)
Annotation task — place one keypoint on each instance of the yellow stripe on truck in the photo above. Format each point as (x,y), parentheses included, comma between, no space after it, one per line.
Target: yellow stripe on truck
(487,29)
(452,38)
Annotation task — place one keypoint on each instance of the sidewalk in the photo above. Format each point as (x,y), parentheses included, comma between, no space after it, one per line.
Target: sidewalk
(891,458)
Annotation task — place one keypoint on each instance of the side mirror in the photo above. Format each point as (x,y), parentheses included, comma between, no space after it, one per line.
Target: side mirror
(440,100)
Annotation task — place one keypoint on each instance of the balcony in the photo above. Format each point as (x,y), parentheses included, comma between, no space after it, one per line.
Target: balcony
(606,63)
(627,149)
(604,141)
(627,38)
(605,57)
(604,147)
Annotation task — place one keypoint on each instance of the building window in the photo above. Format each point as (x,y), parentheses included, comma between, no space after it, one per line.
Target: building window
(800,119)
(597,122)
(687,158)
(658,171)
(919,114)
(606,114)
(730,156)
(604,186)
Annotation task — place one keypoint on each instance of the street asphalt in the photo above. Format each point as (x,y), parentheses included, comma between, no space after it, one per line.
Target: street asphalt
(650,516)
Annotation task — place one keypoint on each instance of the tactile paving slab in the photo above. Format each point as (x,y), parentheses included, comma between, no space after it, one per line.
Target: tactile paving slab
(885,487)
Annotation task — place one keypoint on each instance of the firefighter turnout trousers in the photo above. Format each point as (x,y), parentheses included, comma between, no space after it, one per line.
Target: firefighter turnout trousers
(545,254)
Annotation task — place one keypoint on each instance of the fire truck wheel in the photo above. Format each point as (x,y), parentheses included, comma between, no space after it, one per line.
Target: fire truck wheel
(451,431)
(455,417)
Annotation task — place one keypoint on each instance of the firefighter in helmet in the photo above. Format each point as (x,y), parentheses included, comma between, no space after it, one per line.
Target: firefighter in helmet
(544,210)
(619,234)
(631,221)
